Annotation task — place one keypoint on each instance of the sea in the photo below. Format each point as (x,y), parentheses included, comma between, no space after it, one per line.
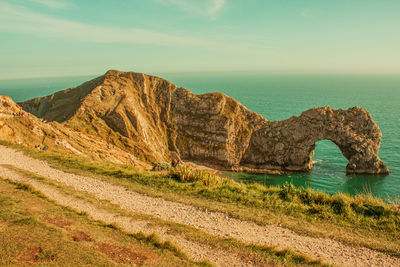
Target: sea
(278,96)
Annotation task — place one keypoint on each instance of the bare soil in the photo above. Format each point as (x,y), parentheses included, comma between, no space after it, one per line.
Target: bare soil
(79,236)
(123,254)
(57,221)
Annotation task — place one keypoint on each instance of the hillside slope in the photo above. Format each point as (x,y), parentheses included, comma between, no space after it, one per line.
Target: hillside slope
(153,118)
(156,120)
(17,126)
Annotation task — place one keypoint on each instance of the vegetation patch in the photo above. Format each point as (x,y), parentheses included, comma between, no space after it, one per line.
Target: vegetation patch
(184,173)
(254,254)
(156,241)
(35,254)
(360,220)
(28,240)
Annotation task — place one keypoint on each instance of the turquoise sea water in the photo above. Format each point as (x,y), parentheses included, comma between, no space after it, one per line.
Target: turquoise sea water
(278,97)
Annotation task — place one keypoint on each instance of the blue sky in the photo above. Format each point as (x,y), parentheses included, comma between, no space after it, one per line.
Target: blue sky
(40,38)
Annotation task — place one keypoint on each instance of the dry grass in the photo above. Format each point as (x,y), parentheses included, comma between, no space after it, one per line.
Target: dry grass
(259,255)
(361,221)
(184,173)
(29,235)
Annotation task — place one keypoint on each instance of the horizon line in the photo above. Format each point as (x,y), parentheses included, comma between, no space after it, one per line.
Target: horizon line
(256,71)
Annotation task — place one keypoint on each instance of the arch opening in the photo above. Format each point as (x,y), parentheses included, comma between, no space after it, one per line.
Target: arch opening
(328,157)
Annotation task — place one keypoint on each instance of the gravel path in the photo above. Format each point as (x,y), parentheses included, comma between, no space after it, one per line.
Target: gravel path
(215,223)
(195,250)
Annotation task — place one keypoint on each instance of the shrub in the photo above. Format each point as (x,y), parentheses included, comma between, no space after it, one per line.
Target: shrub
(306,196)
(321,198)
(287,191)
(369,209)
(340,205)
(314,209)
(161,166)
(372,210)
(187,174)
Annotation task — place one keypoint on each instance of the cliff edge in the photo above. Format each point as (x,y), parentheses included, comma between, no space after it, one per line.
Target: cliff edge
(156,120)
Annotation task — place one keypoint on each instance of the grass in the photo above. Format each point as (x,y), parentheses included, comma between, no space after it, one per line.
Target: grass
(360,220)
(184,173)
(36,231)
(262,255)
(362,211)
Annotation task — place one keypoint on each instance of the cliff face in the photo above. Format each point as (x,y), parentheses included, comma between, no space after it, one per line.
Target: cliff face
(155,119)
(125,109)
(212,128)
(289,144)
(152,117)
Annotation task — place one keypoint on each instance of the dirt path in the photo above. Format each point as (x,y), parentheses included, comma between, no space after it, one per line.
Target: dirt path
(195,250)
(215,223)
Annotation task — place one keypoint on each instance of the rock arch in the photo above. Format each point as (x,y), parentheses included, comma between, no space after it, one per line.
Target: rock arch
(289,145)
(154,117)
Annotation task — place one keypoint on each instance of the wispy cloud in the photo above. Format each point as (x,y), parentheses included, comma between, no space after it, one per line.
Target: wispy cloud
(19,19)
(57,4)
(208,8)
(309,12)
(22,20)
(216,6)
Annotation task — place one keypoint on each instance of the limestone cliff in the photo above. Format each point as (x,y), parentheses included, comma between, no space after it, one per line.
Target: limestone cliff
(155,119)
(289,144)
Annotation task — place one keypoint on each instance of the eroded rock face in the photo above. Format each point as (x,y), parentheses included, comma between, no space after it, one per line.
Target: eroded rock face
(155,119)
(289,145)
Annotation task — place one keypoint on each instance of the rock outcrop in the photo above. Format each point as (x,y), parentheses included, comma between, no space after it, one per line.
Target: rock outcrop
(156,120)
(289,144)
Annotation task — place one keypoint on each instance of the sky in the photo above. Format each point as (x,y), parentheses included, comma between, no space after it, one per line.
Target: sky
(45,38)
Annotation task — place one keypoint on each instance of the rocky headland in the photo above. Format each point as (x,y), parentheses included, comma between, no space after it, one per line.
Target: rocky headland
(155,120)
